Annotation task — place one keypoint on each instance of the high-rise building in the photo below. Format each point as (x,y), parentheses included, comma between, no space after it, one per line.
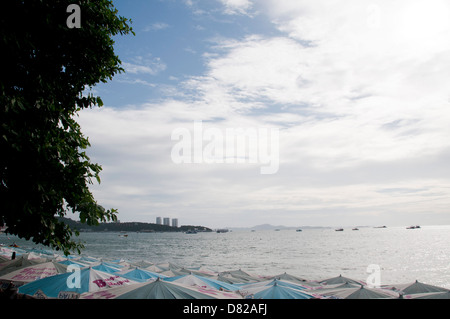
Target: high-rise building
(166,221)
(158,221)
(174,222)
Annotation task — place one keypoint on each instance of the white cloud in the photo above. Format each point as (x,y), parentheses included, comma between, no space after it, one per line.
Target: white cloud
(156,26)
(359,91)
(144,65)
(237,6)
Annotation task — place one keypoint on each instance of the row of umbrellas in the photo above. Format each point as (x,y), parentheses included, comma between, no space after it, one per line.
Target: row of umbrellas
(44,275)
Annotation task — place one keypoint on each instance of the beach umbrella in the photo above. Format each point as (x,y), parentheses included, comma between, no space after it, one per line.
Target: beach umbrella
(156,268)
(188,271)
(350,291)
(340,280)
(272,282)
(240,276)
(142,264)
(160,289)
(18,263)
(70,262)
(417,288)
(295,279)
(106,268)
(168,266)
(276,289)
(201,281)
(73,284)
(429,295)
(34,272)
(89,260)
(140,275)
(205,271)
(169,273)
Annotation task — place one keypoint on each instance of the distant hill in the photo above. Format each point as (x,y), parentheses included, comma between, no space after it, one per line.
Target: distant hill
(131,227)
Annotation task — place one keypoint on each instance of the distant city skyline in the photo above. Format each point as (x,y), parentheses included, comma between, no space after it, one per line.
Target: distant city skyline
(357,90)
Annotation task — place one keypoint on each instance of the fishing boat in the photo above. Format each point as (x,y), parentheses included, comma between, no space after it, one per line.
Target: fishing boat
(412,227)
(339,229)
(298,230)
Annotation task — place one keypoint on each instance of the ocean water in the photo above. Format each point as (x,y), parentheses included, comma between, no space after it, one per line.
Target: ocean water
(402,255)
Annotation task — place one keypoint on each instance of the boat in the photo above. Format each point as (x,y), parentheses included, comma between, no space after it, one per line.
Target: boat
(190,231)
(222,230)
(412,227)
(356,228)
(125,235)
(298,230)
(339,229)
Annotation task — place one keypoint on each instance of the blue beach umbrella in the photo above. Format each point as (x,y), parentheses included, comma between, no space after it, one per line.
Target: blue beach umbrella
(275,291)
(200,281)
(272,282)
(87,280)
(140,275)
(70,262)
(106,268)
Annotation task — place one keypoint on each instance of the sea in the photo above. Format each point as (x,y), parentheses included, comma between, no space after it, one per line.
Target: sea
(391,255)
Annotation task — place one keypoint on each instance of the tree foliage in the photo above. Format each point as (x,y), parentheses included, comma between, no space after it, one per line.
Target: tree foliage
(45,70)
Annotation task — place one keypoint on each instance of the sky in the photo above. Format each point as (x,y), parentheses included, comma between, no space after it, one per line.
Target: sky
(235,113)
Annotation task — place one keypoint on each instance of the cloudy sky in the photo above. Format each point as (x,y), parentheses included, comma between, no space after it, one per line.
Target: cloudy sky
(357,92)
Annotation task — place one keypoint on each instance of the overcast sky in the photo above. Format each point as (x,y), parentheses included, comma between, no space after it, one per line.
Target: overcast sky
(357,91)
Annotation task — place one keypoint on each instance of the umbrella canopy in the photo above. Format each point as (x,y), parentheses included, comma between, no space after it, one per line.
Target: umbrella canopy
(160,289)
(340,280)
(276,289)
(106,268)
(201,281)
(429,295)
(168,266)
(288,277)
(350,291)
(140,275)
(90,280)
(239,276)
(18,263)
(34,272)
(417,288)
(142,264)
(69,262)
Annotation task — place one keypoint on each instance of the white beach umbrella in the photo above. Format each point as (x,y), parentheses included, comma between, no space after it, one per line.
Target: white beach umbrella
(350,291)
(340,280)
(417,288)
(160,289)
(34,272)
(18,263)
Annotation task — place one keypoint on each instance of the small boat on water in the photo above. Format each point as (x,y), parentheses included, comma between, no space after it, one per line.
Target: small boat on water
(339,229)
(190,231)
(356,228)
(412,227)
(298,230)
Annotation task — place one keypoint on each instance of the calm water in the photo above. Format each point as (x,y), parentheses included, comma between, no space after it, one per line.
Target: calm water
(403,255)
